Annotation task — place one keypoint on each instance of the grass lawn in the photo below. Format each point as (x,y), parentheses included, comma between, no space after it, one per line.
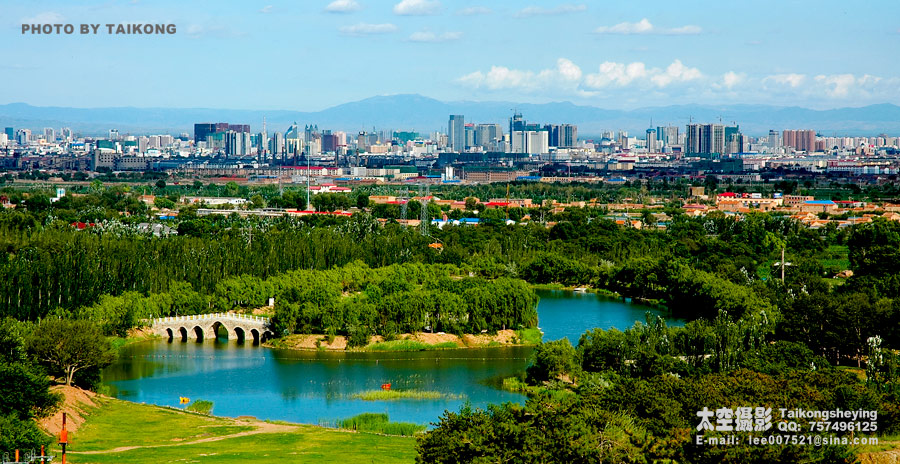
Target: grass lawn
(108,427)
(409,345)
(308,445)
(162,435)
(530,336)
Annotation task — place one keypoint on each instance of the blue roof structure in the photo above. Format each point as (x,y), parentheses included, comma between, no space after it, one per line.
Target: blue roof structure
(819,202)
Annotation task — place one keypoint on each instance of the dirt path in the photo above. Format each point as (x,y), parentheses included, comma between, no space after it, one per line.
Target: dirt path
(261,427)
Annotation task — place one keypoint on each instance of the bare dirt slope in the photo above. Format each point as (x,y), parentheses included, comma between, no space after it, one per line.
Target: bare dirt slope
(75,404)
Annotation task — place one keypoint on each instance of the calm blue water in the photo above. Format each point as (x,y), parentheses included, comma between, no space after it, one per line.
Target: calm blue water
(310,386)
(570,314)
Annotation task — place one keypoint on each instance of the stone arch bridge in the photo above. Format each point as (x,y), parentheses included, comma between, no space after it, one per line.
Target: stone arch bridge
(239,327)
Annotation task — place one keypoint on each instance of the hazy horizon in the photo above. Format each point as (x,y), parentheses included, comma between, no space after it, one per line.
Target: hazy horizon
(316,54)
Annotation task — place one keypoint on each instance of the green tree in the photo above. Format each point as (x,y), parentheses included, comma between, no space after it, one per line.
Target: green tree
(67,347)
(552,360)
(362,201)
(257,201)
(163,203)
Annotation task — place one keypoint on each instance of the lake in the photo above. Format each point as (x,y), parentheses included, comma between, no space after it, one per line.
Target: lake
(317,387)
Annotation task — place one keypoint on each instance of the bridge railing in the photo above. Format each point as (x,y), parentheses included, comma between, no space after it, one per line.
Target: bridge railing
(210,317)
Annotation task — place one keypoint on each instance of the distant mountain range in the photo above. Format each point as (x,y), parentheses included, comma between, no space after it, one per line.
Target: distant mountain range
(416,112)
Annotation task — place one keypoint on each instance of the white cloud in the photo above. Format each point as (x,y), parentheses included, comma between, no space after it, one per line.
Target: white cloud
(792,79)
(475,10)
(368,29)
(641,27)
(676,72)
(47,17)
(838,85)
(266,9)
(731,78)
(639,83)
(428,36)
(541,11)
(569,76)
(417,7)
(342,6)
(568,70)
(566,75)
(644,26)
(619,74)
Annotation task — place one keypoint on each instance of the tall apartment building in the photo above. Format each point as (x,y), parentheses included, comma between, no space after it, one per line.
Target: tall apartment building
(652,144)
(705,139)
(456,132)
(800,140)
(487,136)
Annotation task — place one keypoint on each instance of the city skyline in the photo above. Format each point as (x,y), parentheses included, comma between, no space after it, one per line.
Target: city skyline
(314,55)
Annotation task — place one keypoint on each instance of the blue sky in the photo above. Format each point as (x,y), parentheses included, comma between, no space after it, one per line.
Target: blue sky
(310,54)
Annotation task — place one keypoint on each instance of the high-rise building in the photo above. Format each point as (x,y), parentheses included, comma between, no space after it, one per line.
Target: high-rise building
(202,130)
(558,135)
(470,135)
(23,136)
(667,135)
(706,139)
(516,123)
(651,141)
(530,142)
(114,134)
(734,140)
(262,145)
(774,140)
(237,143)
(293,140)
(487,136)
(330,142)
(552,134)
(10,133)
(276,145)
(568,136)
(49,134)
(800,140)
(456,132)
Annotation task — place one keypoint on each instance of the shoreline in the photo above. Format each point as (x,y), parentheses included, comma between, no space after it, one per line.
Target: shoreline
(420,341)
(603,293)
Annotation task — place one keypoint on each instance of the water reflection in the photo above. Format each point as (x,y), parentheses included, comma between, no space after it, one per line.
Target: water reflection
(311,386)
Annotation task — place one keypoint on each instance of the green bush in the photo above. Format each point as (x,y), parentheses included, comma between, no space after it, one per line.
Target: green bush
(200,406)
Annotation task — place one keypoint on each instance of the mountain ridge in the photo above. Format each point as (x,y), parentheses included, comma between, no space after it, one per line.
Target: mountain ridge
(425,114)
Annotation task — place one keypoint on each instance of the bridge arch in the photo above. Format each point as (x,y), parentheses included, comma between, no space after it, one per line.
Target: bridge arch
(198,333)
(240,335)
(170,334)
(183,333)
(214,331)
